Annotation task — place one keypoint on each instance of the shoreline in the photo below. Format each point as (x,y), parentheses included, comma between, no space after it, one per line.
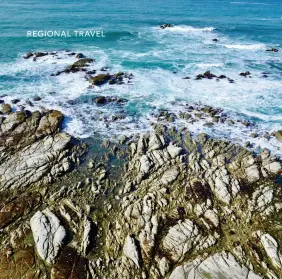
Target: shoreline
(111,111)
(152,204)
(170,202)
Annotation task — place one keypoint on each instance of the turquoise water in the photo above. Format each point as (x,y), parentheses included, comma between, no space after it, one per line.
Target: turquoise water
(158,59)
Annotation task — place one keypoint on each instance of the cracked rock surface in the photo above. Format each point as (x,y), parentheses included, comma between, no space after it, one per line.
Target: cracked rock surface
(161,205)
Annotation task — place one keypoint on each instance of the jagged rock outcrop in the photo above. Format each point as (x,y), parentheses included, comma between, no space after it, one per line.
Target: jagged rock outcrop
(163,205)
(33,149)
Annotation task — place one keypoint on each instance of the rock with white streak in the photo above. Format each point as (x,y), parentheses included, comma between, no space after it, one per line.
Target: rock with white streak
(130,250)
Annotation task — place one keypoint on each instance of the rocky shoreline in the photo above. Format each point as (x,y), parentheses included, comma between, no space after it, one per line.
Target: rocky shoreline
(167,203)
(164,204)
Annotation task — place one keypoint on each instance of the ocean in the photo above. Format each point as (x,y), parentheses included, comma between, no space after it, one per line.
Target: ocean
(158,59)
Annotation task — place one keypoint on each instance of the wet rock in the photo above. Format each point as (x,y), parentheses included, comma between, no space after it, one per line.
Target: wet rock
(254,135)
(278,135)
(15,101)
(209,125)
(215,40)
(92,72)
(28,55)
(100,79)
(6,108)
(100,100)
(37,98)
(206,75)
(40,54)
(222,77)
(48,234)
(245,74)
(80,56)
(273,50)
(79,65)
(166,25)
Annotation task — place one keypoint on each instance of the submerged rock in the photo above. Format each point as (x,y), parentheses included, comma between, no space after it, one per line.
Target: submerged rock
(166,25)
(273,50)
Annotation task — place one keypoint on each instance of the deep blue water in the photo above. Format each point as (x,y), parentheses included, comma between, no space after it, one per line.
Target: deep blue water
(159,59)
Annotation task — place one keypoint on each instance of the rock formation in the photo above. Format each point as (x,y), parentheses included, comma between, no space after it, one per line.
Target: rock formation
(166,204)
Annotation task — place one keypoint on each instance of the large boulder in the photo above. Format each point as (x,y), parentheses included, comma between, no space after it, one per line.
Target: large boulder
(48,234)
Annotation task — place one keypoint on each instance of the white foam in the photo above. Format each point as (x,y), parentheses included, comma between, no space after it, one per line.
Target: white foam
(251,3)
(209,65)
(188,29)
(190,51)
(246,47)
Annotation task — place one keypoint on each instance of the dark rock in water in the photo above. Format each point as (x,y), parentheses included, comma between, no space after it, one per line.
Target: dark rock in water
(84,62)
(166,25)
(107,78)
(15,101)
(100,79)
(278,135)
(40,54)
(248,144)
(71,102)
(222,76)
(230,122)
(80,55)
(186,78)
(6,108)
(104,69)
(2,101)
(265,76)
(209,75)
(209,125)
(28,55)
(112,81)
(100,100)
(246,123)
(92,72)
(36,99)
(254,135)
(28,102)
(76,66)
(215,40)
(71,54)
(273,50)
(231,80)
(245,74)
(118,117)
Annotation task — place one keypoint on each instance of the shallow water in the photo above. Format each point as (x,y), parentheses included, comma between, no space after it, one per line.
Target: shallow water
(158,59)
